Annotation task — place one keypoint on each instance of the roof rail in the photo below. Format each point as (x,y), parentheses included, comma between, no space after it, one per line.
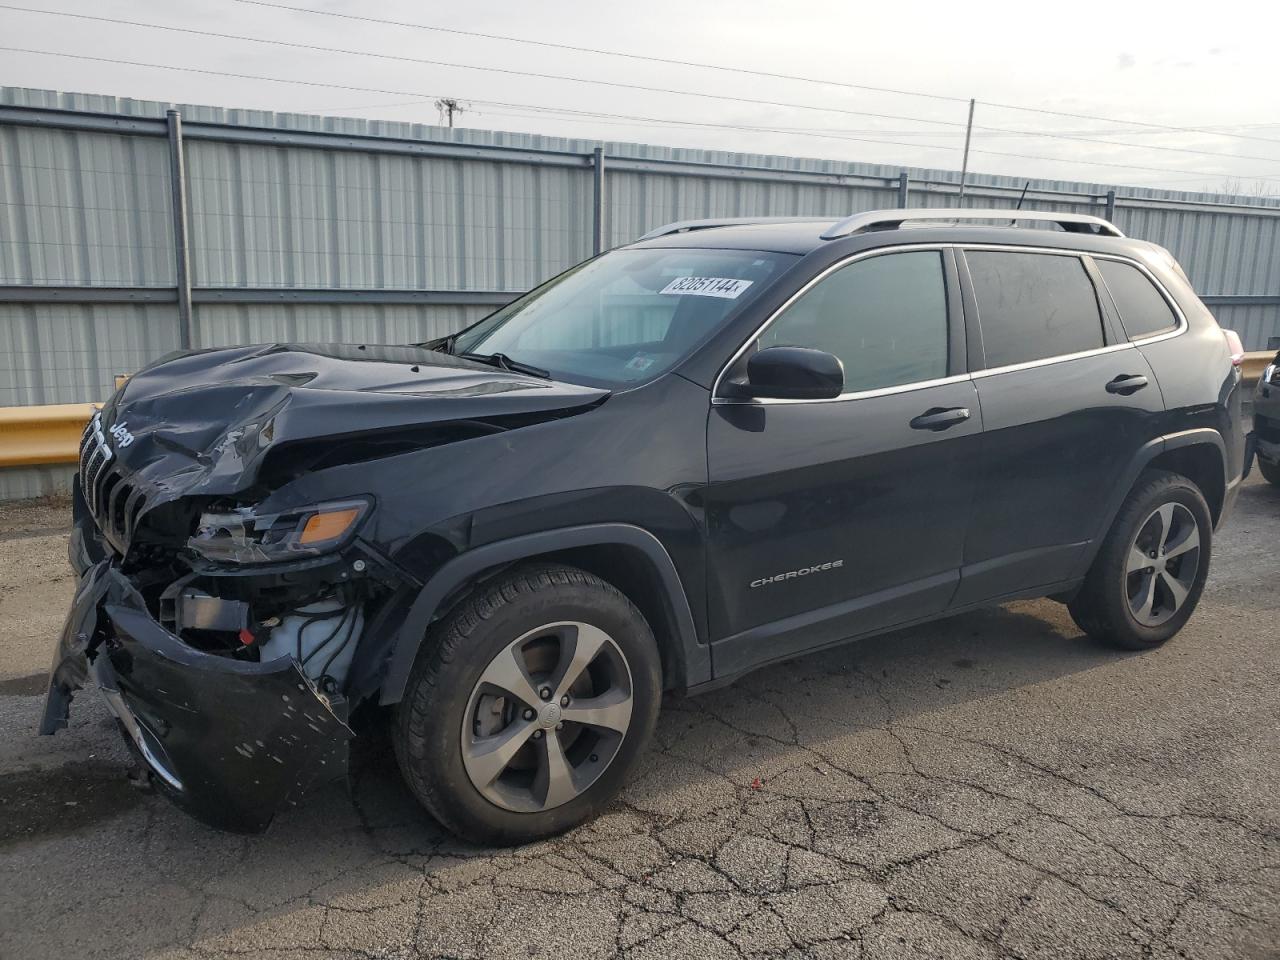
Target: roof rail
(893,219)
(684,226)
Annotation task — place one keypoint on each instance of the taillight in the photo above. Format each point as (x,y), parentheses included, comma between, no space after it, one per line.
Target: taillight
(1235,347)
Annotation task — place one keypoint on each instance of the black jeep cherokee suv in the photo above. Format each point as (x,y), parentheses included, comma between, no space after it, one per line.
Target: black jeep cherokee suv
(721,446)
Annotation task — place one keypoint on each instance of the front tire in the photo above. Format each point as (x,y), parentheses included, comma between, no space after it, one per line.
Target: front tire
(529,705)
(1150,571)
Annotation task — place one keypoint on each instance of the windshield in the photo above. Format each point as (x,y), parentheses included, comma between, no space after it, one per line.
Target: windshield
(624,317)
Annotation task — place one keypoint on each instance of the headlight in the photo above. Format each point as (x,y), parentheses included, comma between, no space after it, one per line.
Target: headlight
(245,535)
(1269,374)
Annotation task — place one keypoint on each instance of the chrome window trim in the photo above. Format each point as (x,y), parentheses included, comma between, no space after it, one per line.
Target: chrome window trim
(1184,325)
(852,395)
(1048,361)
(717,400)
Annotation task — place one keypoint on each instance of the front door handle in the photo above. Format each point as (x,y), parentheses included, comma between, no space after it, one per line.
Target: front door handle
(1126,384)
(940,418)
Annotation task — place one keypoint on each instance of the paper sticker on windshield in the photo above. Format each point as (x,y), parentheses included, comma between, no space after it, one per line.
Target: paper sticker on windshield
(724,287)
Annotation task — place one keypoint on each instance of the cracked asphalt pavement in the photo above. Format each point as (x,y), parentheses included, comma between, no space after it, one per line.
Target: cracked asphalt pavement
(994,785)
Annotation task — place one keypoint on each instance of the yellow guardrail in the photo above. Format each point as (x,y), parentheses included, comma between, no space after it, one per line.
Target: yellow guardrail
(34,436)
(39,435)
(1254,364)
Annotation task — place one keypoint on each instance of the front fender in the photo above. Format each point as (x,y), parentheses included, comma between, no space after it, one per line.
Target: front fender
(696,658)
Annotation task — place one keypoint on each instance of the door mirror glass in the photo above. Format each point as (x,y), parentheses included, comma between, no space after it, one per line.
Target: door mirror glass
(790,373)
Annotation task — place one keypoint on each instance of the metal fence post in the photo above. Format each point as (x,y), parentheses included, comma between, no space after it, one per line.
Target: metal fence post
(1111,205)
(903,185)
(597,200)
(181,251)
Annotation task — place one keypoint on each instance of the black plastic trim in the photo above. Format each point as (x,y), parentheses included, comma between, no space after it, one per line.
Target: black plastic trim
(458,571)
(1148,452)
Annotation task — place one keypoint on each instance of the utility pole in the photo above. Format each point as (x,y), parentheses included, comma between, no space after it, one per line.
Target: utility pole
(448,107)
(964,164)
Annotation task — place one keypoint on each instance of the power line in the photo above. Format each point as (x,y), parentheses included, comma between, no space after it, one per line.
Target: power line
(751,101)
(524,106)
(755,73)
(619,84)
(993,132)
(606,53)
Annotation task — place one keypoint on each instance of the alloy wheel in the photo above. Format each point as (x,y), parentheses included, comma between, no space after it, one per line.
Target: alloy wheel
(1162,564)
(547,716)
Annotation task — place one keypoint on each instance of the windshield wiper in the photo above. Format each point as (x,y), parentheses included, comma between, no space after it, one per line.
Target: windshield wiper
(503,362)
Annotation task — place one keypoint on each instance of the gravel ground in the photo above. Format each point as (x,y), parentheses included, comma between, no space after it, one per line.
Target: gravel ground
(990,786)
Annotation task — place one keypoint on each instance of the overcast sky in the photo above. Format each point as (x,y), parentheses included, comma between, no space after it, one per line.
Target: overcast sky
(1188,66)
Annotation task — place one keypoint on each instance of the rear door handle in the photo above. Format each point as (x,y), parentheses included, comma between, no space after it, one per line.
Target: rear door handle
(940,418)
(1126,384)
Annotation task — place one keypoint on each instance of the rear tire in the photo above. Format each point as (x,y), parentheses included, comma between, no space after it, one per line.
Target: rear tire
(1148,575)
(1270,472)
(529,705)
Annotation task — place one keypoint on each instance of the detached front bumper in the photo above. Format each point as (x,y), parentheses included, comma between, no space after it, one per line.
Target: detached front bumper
(229,741)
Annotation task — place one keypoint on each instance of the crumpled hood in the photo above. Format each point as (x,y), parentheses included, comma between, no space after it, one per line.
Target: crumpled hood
(201,422)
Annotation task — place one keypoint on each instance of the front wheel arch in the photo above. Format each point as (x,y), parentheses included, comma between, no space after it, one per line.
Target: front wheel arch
(613,551)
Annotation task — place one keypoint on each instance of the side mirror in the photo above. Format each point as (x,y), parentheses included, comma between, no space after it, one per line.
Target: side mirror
(790,373)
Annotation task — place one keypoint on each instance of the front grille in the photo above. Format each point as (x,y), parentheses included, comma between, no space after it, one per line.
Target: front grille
(113,500)
(95,456)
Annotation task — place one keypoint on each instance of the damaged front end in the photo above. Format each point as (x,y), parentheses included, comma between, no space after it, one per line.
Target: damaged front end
(227,680)
(238,597)
(224,658)
(229,740)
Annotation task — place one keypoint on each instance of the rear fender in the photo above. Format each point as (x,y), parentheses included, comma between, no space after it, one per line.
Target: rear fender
(1145,456)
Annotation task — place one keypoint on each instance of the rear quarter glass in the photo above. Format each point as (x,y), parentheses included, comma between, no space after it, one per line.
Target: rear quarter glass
(1144,312)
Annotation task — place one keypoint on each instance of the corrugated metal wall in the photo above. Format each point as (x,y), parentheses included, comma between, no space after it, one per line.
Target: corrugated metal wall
(293,217)
(286,202)
(84,209)
(221,325)
(70,352)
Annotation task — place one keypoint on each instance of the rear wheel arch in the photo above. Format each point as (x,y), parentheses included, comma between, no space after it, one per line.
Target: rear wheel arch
(1203,463)
(623,555)
(1200,455)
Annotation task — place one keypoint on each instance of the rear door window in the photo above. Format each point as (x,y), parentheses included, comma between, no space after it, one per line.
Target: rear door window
(1033,306)
(1144,311)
